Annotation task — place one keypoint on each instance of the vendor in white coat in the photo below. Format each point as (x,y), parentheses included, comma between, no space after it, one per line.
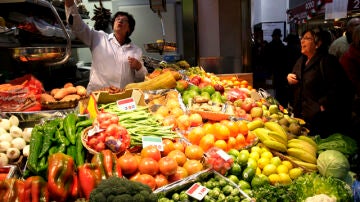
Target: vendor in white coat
(116,61)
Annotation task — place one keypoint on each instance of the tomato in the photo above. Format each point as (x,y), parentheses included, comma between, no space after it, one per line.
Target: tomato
(148,166)
(178,145)
(112,129)
(151,151)
(180,173)
(128,163)
(104,119)
(147,180)
(194,152)
(99,146)
(161,180)
(178,156)
(193,166)
(195,135)
(207,142)
(168,146)
(167,166)
(221,131)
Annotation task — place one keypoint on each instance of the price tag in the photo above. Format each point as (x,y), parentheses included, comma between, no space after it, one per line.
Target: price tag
(151,140)
(197,191)
(126,104)
(223,154)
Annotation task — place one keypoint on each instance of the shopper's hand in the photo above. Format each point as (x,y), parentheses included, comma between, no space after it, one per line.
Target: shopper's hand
(292,78)
(134,63)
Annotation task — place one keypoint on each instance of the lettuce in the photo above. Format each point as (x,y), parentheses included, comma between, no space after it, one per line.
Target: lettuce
(333,163)
(339,142)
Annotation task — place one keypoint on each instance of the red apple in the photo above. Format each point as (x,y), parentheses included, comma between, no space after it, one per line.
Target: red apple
(219,88)
(196,80)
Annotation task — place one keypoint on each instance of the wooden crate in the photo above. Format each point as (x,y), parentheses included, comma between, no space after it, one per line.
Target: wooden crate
(240,76)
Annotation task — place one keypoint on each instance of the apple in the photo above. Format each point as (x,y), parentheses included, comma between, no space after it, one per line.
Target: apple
(196,80)
(181,85)
(256,112)
(246,106)
(219,88)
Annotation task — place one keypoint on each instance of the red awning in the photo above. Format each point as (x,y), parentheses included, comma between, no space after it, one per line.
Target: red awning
(307,10)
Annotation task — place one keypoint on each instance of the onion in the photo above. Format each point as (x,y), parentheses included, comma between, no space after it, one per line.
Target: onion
(15,131)
(26,150)
(4,146)
(14,121)
(3,160)
(6,137)
(2,131)
(27,134)
(5,124)
(13,153)
(18,143)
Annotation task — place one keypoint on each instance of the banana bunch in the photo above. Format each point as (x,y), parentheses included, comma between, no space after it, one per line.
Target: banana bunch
(273,136)
(302,150)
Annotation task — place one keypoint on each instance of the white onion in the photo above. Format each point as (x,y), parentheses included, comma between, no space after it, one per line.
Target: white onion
(4,145)
(15,131)
(2,131)
(5,124)
(3,160)
(13,153)
(26,150)
(18,143)
(14,120)
(6,137)
(27,134)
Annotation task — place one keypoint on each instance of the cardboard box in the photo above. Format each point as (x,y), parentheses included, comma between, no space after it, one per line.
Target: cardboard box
(104,97)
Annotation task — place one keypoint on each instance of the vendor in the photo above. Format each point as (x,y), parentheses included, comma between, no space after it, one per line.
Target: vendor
(116,61)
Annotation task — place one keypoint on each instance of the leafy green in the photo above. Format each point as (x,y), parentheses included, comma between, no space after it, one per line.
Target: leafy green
(339,142)
(270,193)
(311,184)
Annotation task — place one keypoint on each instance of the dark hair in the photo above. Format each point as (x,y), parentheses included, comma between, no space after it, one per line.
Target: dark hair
(131,20)
(323,37)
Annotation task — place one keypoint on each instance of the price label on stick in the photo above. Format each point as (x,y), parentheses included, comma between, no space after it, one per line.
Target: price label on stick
(151,140)
(127,104)
(197,191)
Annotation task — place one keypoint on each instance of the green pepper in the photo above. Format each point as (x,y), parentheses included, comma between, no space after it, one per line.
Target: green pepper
(36,142)
(49,131)
(60,137)
(80,151)
(71,151)
(43,164)
(70,127)
(60,176)
(53,149)
(85,123)
(62,149)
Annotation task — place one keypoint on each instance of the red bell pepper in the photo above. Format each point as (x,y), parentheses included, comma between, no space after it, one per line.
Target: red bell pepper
(89,177)
(60,176)
(36,189)
(106,161)
(12,189)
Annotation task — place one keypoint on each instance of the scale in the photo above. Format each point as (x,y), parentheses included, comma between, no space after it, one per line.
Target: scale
(158,6)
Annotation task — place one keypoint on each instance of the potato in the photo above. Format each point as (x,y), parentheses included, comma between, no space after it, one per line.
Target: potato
(47,98)
(64,92)
(68,85)
(70,98)
(81,90)
(54,91)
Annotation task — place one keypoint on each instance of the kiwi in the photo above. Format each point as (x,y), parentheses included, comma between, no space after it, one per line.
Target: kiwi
(283,121)
(295,128)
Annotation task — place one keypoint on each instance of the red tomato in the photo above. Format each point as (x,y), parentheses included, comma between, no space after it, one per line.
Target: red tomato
(148,166)
(181,173)
(128,163)
(193,166)
(167,166)
(99,146)
(151,151)
(161,180)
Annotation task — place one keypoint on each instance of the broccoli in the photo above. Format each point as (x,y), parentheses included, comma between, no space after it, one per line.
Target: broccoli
(116,189)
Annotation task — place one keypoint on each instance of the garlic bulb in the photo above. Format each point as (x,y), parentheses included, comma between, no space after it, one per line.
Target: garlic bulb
(27,134)
(5,124)
(13,153)
(4,145)
(15,131)
(14,120)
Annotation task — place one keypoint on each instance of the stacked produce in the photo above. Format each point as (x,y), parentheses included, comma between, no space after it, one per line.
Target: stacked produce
(211,138)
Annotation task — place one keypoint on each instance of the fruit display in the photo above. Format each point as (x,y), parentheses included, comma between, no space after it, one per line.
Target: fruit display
(198,137)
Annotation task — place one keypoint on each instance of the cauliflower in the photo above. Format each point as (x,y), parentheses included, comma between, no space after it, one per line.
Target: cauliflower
(320,198)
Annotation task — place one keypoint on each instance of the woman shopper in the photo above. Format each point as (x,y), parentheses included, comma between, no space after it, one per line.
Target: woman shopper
(116,61)
(322,91)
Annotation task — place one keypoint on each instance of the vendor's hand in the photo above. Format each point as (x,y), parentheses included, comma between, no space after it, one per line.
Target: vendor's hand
(69,3)
(134,63)
(292,78)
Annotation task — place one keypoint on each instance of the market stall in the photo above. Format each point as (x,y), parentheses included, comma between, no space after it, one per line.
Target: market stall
(196,137)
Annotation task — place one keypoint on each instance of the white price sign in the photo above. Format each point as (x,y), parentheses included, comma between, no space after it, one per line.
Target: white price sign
(126,104)
(151,140)
(197,191)
(223,154)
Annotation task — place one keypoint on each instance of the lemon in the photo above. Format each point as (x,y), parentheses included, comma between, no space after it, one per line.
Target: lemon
(245,151)
(255,155)
(262,162)
(274,179)
(282,169)
(269,169)
(295,172)
(276,160)
(288,164)
(255,149)
(264,149)
(258,171)
(266,154)
(284,178)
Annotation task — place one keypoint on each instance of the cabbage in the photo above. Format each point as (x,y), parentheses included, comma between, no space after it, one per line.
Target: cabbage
(333,163)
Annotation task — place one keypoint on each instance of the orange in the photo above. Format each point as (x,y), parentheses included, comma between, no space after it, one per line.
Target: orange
(250,138)
(231,143)
(232,126)
(168,146)
(242,127)
(221,131)
(208,128)
(207,142)
(194,152)
(195,135)
(240,141)
(221,144)
(176,112)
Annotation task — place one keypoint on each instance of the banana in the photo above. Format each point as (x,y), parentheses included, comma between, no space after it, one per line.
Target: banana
(276,127)
(276,136)
(262,134)
(275,145)
(302,155)
(308,139)
(302,144)
(255,124)
(307,165)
